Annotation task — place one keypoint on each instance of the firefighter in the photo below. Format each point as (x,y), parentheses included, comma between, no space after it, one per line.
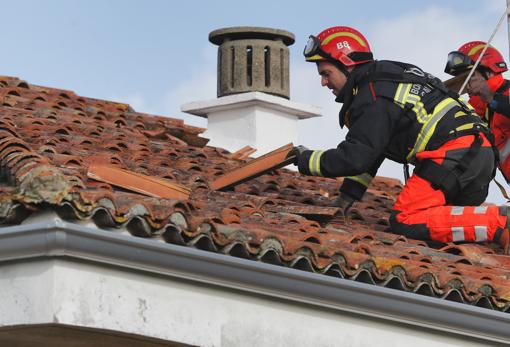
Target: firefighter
(488,92)
(396,110)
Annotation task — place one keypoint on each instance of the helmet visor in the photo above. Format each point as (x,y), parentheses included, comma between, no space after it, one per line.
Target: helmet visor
(312,47)
(457,63)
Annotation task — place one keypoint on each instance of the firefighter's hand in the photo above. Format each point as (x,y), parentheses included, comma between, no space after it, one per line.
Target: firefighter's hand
(344,202)
(295,153)
(478,86)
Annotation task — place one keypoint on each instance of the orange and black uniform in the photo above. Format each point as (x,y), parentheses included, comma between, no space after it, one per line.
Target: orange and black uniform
(396,111)
(497,115)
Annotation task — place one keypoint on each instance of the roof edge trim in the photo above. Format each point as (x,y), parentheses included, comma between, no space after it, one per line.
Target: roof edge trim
(52,237)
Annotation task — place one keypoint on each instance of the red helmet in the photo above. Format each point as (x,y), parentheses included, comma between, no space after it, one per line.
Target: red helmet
(344,44)
(492,59)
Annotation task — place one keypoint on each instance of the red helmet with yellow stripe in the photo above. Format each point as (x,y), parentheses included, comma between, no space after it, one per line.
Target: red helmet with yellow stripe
(341,43)
(491,59)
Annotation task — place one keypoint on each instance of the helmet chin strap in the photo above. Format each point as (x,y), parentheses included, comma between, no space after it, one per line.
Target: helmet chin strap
(341,93)
(342,68)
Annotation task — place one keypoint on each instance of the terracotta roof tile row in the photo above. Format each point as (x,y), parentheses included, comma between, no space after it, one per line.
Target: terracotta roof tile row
(49,138)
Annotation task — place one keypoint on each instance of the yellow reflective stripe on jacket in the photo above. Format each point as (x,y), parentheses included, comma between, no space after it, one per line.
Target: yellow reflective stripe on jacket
(364,179)
(314,164)
(402,92)
(428,128)
(403,97)
(467,127)
(419,108)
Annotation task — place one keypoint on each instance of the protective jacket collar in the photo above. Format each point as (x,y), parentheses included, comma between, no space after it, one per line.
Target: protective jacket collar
(347,94)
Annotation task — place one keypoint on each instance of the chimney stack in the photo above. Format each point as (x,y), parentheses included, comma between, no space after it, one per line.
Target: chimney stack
(253,106)
(252,59)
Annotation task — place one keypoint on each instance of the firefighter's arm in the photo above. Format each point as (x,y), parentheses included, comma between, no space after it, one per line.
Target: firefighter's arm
(356,186)
(496,101)
(500,104)
(370,132)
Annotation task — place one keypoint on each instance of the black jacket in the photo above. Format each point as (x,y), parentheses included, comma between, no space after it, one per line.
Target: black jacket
(386,105)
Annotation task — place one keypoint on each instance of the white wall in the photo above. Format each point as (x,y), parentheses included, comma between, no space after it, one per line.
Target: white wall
(95,296)
(255,126)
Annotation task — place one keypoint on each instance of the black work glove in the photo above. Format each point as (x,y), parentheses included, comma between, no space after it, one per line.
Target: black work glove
(344,202)
(296,153)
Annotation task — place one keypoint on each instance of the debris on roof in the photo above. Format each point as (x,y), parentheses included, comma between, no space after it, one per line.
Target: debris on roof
(254,168)
(243,153)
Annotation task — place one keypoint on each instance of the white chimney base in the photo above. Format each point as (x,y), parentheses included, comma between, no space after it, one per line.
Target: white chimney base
(262,121)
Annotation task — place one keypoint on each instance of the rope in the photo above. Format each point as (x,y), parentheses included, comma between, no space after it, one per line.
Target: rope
(502,190)
(483,51)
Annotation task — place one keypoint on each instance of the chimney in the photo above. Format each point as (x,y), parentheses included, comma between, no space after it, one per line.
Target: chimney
(253,106)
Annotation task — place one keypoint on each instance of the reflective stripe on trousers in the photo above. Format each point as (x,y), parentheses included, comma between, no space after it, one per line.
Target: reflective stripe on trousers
(421,205)
(421,211)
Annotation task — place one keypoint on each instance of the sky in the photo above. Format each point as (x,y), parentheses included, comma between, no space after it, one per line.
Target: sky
(155,54)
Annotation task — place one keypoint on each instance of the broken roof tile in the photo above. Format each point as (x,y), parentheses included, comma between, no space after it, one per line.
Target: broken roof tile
(253,168)
(147,185)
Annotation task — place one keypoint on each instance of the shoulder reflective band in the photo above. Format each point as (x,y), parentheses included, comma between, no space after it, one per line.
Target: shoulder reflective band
(504,151)
(468,126)
(428,128)
(314,165)
(402,92)
(404,97)
(364,179)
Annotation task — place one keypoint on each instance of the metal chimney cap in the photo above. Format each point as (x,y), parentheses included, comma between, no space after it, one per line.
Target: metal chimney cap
(242,33)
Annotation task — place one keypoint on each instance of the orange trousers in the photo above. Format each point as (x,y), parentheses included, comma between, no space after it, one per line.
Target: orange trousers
(421,212)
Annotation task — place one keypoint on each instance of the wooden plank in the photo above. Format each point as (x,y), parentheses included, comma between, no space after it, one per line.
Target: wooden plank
(456,82)
(143,184)
(254,168)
